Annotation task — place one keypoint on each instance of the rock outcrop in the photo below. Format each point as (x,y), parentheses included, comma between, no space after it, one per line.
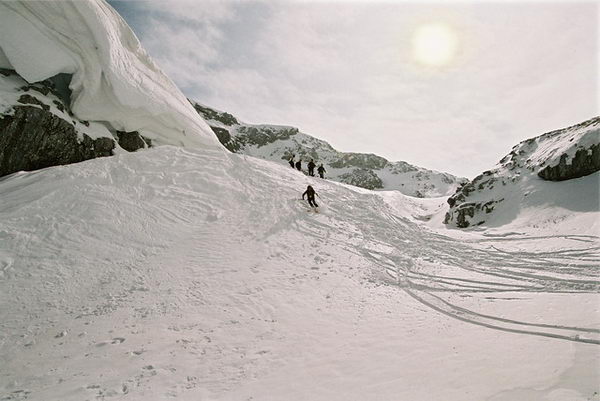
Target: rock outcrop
(586,161)
(362,177)
(38,130)
(560,155)
(33,138)
(132,141)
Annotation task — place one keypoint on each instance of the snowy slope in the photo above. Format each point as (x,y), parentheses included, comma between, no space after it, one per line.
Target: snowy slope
(113,81)
(278,143)
(200,275)
(543,180)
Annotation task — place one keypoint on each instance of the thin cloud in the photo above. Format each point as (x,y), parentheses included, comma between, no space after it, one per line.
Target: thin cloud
(345,71)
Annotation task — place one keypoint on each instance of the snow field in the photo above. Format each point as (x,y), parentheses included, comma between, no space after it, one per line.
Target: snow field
(174,273)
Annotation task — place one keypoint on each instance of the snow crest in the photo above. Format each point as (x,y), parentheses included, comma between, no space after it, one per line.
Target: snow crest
(113,78)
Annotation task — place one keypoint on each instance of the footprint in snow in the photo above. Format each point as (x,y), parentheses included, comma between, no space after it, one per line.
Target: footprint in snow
(116,340)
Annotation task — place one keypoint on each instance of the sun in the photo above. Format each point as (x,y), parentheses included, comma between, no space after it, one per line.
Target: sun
(434,44)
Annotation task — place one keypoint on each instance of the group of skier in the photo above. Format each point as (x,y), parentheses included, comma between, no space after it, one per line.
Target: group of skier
(311,167)
(310,192)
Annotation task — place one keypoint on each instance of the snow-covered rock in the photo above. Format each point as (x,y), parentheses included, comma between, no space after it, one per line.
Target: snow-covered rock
(521,178)
(101,74)
(279,143)
(37,129)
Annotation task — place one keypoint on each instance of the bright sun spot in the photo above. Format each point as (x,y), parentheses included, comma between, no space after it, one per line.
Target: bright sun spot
(434,44)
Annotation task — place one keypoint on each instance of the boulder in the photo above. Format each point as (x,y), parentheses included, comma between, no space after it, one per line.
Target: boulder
(132,141)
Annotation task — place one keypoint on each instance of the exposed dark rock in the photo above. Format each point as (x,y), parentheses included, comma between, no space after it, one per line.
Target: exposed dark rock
(461,214)
(132,141)
(210,114)
(28,99)
(360,160)
(59,105)
(60,87)
(263,135)
(401,167)
(363,178)
(41,87)
(585,162)
(226,139)
(33,138)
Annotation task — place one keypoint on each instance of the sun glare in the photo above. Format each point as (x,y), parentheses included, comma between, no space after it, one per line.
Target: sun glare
(434,44)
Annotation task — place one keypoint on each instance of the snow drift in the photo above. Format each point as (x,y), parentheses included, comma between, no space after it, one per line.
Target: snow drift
(113,80)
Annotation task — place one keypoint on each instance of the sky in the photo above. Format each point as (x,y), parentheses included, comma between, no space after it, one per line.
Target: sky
(448,86)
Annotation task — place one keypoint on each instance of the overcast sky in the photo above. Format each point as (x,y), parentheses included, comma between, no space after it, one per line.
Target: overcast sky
(347,72)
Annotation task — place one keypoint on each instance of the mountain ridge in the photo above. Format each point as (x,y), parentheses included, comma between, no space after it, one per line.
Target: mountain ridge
(366,170)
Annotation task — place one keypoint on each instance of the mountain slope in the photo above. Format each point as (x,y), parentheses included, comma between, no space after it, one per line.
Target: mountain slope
(279,143)
(198,274)
(527,178)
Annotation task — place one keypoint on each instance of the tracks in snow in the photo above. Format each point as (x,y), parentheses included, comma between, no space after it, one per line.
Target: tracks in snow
(441,272)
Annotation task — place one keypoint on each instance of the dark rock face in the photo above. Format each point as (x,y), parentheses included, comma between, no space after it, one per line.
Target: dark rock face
(28,99)
(585,162)
(363,178)
(402,167)
(226,139)
(261,136)
(33,138)
(463,213)
(252,136)
(132,141)
(210,114)
(360,160)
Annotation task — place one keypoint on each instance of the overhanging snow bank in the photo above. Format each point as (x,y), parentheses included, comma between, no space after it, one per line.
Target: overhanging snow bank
(114,80)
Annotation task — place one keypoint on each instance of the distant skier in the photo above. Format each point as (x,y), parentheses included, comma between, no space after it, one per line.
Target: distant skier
(299,164)
(310,193)
(291,161)
(321,170)
(311,168)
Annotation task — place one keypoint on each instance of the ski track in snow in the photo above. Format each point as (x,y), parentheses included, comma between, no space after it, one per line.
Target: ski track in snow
(563,271)
(120,276)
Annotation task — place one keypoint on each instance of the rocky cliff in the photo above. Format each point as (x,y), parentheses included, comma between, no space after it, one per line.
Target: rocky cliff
(279,143)
(560,155)
(38,130)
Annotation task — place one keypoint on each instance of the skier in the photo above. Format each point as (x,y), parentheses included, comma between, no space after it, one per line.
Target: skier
(299,164)
(321,170)
(311,168)
(291,161)
(310,192)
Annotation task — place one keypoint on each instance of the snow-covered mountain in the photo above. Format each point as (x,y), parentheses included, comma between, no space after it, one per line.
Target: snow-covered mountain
(528,178)
(278,143)
(75,83)
(66,97)
(192,273)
